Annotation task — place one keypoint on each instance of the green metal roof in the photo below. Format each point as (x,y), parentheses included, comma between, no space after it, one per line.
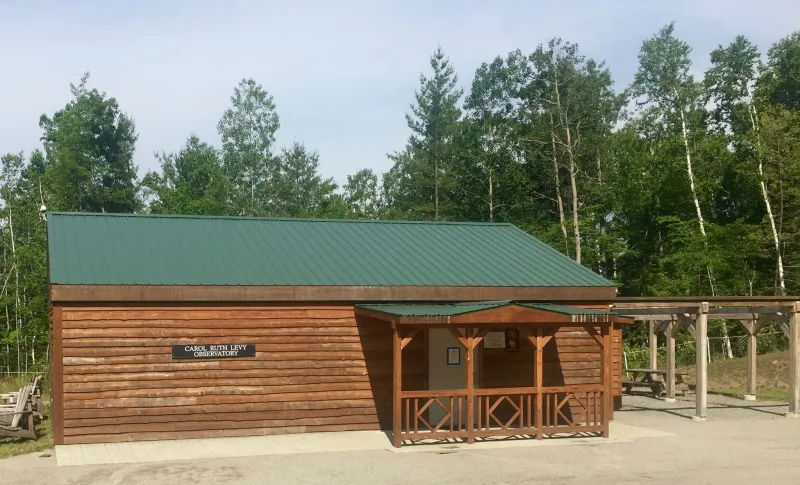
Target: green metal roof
(453,309)
(433,310)
(117,249)
(566,310)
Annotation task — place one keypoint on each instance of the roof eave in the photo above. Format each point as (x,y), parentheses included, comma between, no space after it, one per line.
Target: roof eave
(185,293)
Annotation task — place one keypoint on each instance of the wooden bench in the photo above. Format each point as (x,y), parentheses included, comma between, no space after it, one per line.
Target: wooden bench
(654,379)
(17,421)
(35,396)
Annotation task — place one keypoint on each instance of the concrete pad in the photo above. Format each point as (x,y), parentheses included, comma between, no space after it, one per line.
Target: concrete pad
(345,441)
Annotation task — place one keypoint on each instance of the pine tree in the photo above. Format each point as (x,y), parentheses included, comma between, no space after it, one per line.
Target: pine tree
(429,155)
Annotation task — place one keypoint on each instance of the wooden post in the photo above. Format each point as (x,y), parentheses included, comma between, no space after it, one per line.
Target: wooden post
(700,337)
(470,387)
(750,394)
(653,346)
(671,328)
(608,408)
(794,361)
(538,377)
(397,386)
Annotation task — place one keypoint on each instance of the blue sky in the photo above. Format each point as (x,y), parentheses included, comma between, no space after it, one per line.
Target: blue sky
(342,73)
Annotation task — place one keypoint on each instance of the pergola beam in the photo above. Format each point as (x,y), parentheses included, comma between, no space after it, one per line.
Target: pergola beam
(727,313)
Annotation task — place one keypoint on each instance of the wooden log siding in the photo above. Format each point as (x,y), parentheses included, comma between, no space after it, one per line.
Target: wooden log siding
(316,369)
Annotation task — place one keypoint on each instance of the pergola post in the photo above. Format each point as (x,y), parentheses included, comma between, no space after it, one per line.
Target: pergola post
(752,327)
(700,336)
(397,386)
(670,330)
(794,361)
(653,346)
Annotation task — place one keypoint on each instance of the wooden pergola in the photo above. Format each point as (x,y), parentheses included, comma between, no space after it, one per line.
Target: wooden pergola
(537,410)
(669,315)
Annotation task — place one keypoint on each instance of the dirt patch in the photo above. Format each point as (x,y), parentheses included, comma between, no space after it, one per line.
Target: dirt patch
(730,376)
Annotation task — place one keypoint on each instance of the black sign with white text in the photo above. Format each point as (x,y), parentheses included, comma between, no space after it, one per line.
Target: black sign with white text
(217,351)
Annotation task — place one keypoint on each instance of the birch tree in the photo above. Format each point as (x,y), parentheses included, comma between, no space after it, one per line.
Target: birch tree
(671,99)
(664,87)
(488,163)
(730,84)
(247,129)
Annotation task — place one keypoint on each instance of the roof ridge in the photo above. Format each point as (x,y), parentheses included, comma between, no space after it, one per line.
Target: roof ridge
(277,219)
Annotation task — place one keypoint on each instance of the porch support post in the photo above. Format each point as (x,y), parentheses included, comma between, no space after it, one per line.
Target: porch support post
(794,361)
(670,331)
(470,386)
(538,378)
(700,338)
(606,364)
(653,346)
(397,385)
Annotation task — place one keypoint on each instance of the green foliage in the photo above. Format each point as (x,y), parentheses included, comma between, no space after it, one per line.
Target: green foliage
(89,146)
(300,191)
(247,130)
(543,139)
(362,194)
(423,192)
(191,181)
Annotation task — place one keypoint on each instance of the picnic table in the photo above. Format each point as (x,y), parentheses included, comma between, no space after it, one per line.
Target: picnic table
(655,379)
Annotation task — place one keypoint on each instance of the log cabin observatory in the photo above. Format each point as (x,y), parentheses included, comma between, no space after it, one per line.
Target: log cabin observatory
(167,327)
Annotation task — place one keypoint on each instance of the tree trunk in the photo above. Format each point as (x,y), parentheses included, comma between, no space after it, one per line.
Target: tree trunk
(491,197)
(764,194)
(684,132)
(17,321)
(599,172)
(435,189)
(575,221)
(573,168)
(559,200)
(689,169)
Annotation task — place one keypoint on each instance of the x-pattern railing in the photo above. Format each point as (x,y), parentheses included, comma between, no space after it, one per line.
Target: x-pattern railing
(503,412)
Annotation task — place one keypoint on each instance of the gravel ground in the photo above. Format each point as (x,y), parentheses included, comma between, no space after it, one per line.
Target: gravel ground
(741,443)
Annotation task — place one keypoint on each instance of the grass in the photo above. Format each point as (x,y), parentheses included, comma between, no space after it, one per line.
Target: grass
(729,377)
(44,430)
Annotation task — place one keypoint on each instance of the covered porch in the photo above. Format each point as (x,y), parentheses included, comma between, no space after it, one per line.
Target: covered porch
(471,411)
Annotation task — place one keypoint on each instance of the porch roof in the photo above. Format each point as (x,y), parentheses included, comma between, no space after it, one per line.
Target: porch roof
(504,311)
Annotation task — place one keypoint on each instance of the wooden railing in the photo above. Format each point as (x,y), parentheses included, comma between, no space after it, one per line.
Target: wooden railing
(506,411)
(574,409)
(443,414)
(418,406)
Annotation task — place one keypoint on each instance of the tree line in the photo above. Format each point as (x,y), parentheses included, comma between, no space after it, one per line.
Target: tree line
(673,185)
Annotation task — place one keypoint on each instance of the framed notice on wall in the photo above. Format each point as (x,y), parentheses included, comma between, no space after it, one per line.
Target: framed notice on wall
(453,355)
(512,340)
(494,340)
